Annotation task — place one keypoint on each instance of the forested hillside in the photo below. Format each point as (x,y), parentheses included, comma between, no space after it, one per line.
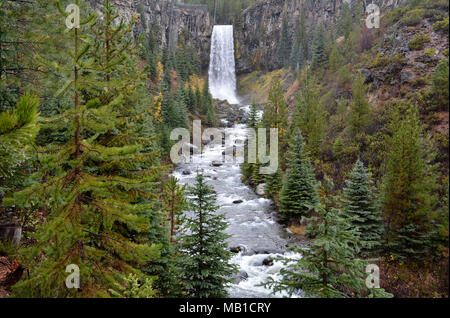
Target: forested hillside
(365,116)
(85,121)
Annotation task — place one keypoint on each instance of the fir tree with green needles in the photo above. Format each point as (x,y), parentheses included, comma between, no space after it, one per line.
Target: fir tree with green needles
(299,192)
(329,267)
(97,205)
(284,47)
(362,210)
(319,50)
(409,189)
(206,267)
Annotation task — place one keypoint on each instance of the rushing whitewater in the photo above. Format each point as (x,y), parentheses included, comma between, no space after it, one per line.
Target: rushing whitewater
(222,74)
(251,219)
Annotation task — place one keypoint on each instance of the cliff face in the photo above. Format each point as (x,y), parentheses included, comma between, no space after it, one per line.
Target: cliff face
(169,23)
(258,34)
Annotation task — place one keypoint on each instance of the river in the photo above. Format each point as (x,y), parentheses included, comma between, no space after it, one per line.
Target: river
(252,220)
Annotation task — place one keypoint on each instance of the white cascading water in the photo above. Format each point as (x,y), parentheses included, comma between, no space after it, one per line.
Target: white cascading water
(251,219)
(222,74)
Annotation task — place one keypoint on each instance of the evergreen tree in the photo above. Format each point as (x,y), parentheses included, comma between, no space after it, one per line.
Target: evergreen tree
(275,112)
(207,105)
(362,210)
(408,190)
(297,58)
(206,267)
(89,189)
(335,60)
(274,184)
(328,268)
(284,47)
(18,128)
(319,51)
(299,192)
(440,85)
(175,202)
(309,114)
(253,119)
(359,109)
(303,36)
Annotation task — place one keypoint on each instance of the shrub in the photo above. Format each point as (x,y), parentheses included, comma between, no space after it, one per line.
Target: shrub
(413,17)
(419,42)
(441,26)
(430,52)
(440,84)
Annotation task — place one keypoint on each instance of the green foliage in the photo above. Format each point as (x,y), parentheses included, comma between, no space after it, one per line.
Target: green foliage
(273,185)
(362,210)
(359,110)
(329,267)
(441,26)
(408,190)
(275,112)
(297,57)
(419,42)
(284,47)
(133,287)
(18,129)
(299,192)
(440,85)
(98,188)
(319,51)
(309,114)
(206,267)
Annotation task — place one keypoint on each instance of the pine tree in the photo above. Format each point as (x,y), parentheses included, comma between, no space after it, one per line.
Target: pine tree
(284,47)
(206,267)
(253,119)
(440,85)
(363,212)
(303,36)
(299,192)
(175,202)
(359,109)
(309,114)
(335,60)
(319,51)
(297,58)
(18,128)
(274,184)
(89,189)
(207,105)
(408,189)
(328,268)
(275,112)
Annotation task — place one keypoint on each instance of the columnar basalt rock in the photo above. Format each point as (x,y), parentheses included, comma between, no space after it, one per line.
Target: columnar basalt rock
(256,34)
(168,23)
(259,31)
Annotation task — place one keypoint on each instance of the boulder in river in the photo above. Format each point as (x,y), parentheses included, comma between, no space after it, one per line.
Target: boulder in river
(216,163)
(187,172)
(237,201)
(241,276)
(268,261)
(235,249)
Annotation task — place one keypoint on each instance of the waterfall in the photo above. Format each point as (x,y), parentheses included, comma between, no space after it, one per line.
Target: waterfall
(222,73)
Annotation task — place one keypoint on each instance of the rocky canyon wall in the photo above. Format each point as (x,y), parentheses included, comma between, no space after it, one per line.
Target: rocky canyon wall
(258,36)
(169,23)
